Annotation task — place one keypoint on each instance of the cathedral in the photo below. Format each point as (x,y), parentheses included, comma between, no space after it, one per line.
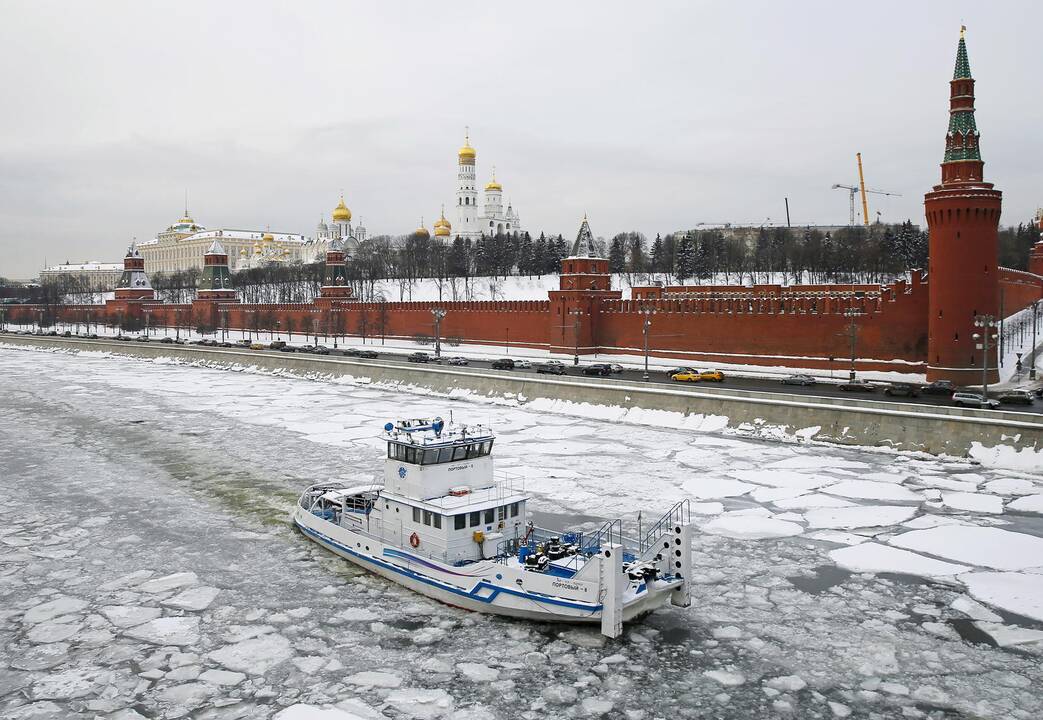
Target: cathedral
(341,229)
(493,218)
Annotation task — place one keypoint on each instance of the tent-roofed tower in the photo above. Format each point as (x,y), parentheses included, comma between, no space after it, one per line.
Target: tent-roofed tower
(963,215)
(575,305)
(335,275)
(133,283)
(215,283)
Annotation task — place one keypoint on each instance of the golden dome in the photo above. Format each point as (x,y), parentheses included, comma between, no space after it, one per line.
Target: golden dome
(467,153)
(267,238)
(442,230)
(422,231)
(341,212)
(492,184)
(442,222)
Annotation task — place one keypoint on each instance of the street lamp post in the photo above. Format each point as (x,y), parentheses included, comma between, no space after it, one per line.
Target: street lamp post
(987,323)
(1032,367)
(438,314)
(277,335)
(575,313)
(645,326)
(223,312)
(851,314)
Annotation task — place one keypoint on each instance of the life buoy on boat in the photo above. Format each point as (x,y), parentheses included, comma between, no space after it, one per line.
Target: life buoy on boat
(414,540)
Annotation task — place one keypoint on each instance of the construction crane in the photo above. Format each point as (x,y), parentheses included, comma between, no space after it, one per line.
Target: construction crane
(863,190)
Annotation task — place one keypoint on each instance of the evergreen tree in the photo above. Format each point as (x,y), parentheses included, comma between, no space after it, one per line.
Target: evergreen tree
(637,263)
(659,260)
(617,254)
(687,259)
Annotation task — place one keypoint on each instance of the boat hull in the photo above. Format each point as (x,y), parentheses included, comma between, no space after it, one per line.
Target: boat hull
(485,586)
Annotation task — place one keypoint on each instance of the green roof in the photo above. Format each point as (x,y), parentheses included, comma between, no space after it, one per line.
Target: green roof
(963,65)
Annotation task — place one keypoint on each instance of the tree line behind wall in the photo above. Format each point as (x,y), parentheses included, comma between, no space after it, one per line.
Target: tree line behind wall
(875,253)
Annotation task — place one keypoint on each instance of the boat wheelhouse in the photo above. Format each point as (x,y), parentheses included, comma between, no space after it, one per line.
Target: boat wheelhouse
(446,524)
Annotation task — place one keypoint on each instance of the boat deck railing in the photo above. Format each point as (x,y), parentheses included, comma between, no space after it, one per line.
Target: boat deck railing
(589,543)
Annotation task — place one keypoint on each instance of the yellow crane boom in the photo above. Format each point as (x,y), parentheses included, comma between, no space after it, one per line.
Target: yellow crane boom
(862,186)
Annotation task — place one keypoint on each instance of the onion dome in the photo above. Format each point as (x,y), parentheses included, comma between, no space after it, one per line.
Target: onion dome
(442,226)
(492,184)
(467,153)
(267,238)
(341,212)
(422,231)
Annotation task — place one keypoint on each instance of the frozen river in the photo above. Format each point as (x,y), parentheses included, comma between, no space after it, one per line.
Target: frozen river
(147,567)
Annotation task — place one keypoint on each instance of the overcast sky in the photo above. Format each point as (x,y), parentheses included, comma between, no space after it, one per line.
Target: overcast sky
(647,116)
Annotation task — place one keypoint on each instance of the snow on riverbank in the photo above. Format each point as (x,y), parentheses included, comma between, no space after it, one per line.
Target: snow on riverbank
(180,478)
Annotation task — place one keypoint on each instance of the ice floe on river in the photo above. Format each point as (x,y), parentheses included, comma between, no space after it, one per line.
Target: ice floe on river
(152,574)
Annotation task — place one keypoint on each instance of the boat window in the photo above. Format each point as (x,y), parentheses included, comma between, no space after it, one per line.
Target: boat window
(459,521)
(489,515)
(514,509)
(416,515)
(445,455)
(460,452)
(438,520)
(411,455)
(430,457)
(473,450)
(486,447)
(391,450)
(427,517)
(476,517)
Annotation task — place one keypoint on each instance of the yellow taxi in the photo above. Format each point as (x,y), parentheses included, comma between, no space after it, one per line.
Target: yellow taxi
(712,375)
(686,376)
(257,346)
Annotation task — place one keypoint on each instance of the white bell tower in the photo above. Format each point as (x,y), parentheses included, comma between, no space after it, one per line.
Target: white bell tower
(466,193)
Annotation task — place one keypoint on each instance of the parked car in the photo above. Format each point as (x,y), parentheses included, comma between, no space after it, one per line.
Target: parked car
(142,338)
(277,344)
(677,370)
(597,369)
(712,375)
(522,364)
(368,354)
(687,376)
(938,387)
(167,340)
(321,350)
(306,349)
(1039,393)
(551,367)
(258,346)
(419,357)
(457,360)
(287,348)
(243,343)
(966,399)
(857,386)
(123,338)
(503,364)
(799,380)
(902,390)
(226,344)
(1015,397)
(616,368)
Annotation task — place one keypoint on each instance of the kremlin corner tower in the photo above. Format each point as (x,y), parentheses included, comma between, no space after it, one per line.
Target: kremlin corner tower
(963,215)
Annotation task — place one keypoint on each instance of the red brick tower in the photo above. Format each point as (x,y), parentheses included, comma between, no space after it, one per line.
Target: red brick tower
(574,308)
(133,283)
(963,215)
(1036,256)
(335,277)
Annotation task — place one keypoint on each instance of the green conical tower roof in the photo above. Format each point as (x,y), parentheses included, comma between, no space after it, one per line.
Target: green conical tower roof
(963,136)
(963,65)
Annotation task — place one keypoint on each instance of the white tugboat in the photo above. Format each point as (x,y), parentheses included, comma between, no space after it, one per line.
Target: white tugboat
(444,525)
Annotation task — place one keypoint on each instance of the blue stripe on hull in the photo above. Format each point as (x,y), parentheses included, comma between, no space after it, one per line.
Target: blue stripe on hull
(472,594)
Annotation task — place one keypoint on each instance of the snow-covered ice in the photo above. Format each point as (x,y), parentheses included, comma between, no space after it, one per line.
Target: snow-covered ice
(982,546)
(174,531)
